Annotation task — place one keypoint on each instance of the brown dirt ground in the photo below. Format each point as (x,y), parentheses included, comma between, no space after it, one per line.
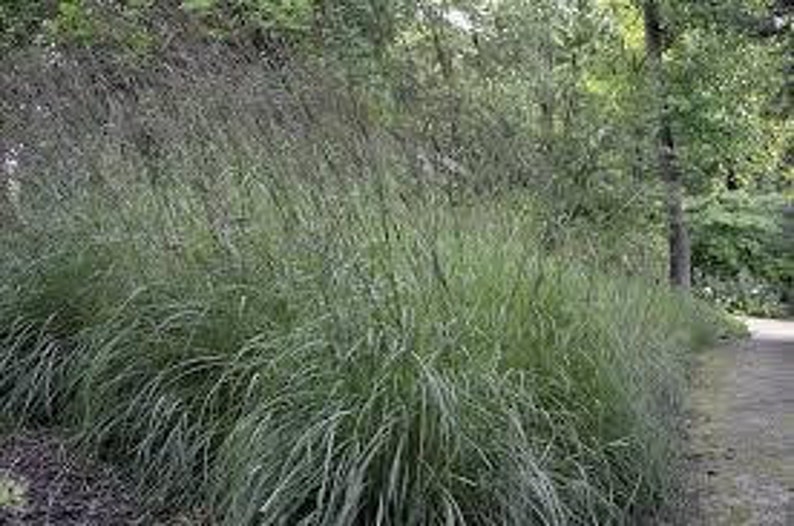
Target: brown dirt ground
(56,487)
(45,481)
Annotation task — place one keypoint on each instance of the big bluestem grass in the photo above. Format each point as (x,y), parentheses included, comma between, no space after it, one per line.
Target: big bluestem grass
(273,318)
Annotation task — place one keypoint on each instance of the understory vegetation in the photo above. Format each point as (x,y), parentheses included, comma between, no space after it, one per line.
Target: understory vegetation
(742,253)
(337,372)
(307,334)
(417,277)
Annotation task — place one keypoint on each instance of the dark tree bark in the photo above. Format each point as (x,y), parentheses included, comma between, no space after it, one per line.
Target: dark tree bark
(9,202)
(5,202)
(546,92)
(667,159)
(9,198)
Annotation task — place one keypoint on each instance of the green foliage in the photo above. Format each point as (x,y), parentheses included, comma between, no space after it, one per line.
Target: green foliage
(136,25)
(12,493)
(743,293)
(20,21)
(305,333)
(199,5)
(287,18)
(723,125)
(742,251)
(125,27)
(74,22)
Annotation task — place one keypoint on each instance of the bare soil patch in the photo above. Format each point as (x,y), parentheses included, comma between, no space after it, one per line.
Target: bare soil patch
(44,483)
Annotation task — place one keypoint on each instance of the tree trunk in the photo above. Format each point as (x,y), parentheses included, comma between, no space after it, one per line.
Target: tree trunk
(9,194)
(669,168)
(6,209)
(546,93)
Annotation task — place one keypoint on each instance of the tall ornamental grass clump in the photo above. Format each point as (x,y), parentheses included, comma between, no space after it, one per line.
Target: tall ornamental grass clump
(273,319)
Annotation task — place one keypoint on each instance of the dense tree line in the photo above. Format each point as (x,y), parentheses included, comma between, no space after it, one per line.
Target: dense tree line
(599,104)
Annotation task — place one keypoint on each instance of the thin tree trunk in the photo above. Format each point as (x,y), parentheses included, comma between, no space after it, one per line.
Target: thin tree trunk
(667,158)
(546,88)
(9,197)
(6,208)
(547,99)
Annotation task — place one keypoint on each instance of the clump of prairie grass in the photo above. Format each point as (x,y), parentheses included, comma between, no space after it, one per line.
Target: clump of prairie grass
(234,285)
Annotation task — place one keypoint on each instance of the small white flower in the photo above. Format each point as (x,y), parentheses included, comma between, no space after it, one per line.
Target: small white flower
(10,164)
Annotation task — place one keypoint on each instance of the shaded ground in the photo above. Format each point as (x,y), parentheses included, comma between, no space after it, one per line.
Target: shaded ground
(42,483)
(45,482)
(742,431)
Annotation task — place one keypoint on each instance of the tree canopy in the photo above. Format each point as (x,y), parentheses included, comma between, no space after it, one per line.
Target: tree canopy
(551,94)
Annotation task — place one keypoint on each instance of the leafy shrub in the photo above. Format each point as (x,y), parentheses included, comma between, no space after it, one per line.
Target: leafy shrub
(743,293)
(742,251)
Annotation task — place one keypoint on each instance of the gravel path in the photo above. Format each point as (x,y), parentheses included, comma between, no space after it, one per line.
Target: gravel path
(742,431)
